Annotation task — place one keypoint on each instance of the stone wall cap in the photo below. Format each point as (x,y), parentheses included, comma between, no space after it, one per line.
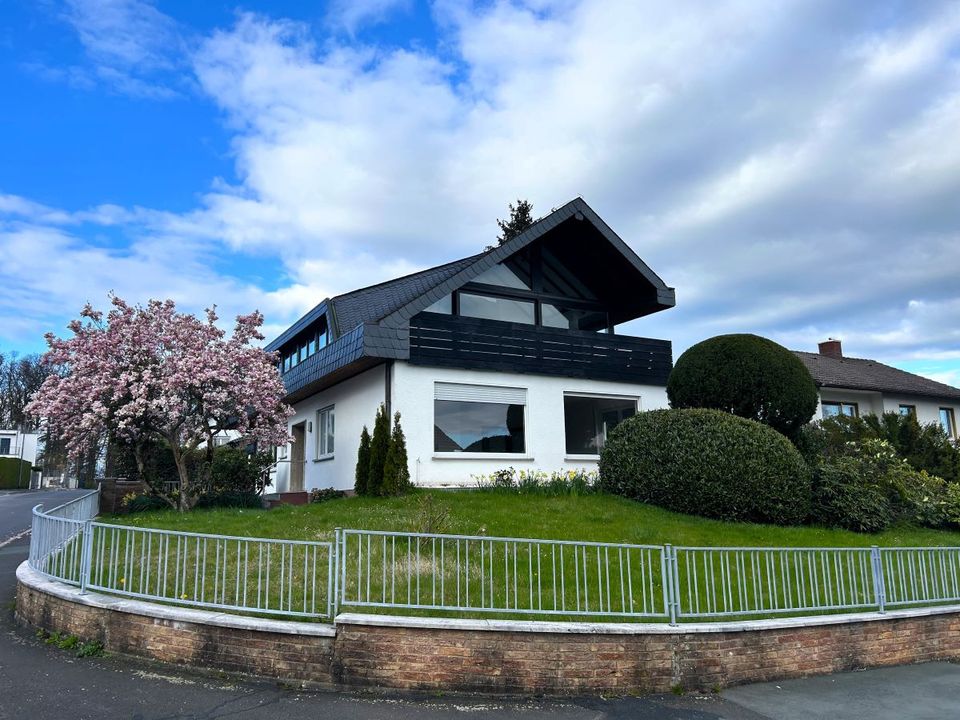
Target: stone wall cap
(29,577)
(634,628)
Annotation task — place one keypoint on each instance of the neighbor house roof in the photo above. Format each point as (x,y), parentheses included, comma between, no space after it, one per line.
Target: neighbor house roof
(863,374)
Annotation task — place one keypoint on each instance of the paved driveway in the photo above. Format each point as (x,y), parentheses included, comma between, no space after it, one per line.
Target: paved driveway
(41,682)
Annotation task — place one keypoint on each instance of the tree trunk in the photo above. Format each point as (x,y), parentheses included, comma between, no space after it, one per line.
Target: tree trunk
(180,460)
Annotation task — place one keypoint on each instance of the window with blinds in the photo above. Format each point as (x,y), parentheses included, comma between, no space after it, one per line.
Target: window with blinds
(479,418)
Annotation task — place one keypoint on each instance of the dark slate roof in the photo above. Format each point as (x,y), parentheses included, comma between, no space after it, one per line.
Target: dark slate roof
(373,303)
(862,374)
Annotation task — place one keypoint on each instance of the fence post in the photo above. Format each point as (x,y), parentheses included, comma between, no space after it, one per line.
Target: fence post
(337,533)
(879,587)
(86,552)
(668,582)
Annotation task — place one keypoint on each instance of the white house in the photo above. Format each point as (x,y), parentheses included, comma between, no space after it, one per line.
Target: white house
(505,358)
(855,386)
(19,444)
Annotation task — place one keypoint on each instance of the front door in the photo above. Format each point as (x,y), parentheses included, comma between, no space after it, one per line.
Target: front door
(298,457)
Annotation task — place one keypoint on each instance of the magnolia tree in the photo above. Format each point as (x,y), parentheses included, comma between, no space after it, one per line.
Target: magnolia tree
(149,373)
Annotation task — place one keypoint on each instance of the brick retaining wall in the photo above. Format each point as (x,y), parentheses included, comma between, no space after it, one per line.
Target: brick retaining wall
(495,656)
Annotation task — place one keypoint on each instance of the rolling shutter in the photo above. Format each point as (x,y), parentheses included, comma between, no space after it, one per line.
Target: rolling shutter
(480,393)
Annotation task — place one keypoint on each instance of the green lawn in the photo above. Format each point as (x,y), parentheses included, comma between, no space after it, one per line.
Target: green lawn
(601,518)
(469,578)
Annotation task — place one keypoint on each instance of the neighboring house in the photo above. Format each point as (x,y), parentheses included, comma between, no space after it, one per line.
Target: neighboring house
(19,444)
(505,358)
(854,386)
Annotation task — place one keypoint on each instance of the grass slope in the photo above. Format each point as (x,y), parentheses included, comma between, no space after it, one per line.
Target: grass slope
(494,513)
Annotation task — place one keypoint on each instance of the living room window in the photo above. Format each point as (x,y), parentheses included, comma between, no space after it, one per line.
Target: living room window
(589,419)
(479,419)
(832,409)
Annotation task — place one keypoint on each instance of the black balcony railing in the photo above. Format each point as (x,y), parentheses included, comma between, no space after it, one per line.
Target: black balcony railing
(450,341)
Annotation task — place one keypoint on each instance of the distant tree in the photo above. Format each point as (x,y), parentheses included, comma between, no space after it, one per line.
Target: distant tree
(148,373)
(746,375)
(20,377)
(521,217)
(363,463)
(396,470)
(379,447)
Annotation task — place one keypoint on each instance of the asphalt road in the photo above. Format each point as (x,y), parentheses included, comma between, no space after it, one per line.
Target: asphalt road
(42,682)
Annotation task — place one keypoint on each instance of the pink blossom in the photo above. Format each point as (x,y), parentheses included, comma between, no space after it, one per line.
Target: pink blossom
(149,372)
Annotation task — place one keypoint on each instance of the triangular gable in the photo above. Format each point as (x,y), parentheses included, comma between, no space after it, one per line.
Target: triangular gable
(576,208)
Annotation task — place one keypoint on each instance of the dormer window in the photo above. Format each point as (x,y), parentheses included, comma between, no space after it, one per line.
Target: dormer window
(303,346)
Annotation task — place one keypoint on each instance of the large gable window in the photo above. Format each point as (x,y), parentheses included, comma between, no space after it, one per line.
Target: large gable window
(497,308)
(478,419)
(504,276)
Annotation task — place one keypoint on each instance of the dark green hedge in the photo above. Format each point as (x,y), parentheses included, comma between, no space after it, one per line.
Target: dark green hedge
(11,469)
(709,463)
(747,375)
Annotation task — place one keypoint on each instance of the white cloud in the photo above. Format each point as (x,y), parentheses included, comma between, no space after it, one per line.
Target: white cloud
(791,169)
(349,15)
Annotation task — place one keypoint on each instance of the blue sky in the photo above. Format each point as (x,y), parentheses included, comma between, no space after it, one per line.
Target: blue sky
(792,170)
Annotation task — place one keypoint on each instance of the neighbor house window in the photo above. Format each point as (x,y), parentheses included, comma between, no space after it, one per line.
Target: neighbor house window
(4,446)
(949,422)
(832,409)
(497,308)
(478,419)
(908,410)
(588,420)
(325,427)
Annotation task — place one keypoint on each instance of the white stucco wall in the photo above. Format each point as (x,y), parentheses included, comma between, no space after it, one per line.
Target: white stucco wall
(867,402)
(22,445)
(413,392)
(355,404)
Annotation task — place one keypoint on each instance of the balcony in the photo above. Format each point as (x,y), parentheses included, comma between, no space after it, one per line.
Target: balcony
(449,341)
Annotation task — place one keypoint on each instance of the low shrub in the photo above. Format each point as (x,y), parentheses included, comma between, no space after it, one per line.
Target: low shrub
(539,482)
(709,463)
(925,447)
(144,503)
(318,496)
(866,486)
(844,497)
(230,499)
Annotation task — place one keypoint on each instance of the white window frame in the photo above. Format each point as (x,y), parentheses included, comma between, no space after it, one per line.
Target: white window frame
(321,452)
(596,396)
(952,431)
(840,404)
(527,453)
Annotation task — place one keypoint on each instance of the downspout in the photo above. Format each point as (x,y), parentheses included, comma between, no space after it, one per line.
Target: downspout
(388,388)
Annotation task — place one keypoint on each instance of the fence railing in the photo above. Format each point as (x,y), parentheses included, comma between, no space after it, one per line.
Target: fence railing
(495,574)
(481,575)
(256,575)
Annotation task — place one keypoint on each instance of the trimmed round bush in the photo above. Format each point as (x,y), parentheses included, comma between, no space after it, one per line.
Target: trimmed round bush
(749,376)
(709,463)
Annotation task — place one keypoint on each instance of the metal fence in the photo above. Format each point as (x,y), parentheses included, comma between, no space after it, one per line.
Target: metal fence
(495,574)
(473,574)
(57,538)
(273,577)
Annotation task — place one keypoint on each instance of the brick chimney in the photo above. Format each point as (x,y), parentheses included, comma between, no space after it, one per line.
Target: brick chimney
(831,348)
